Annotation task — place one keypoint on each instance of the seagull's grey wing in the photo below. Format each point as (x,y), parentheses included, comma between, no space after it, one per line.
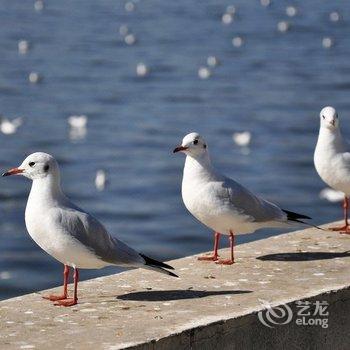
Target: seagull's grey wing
(246,203)
(93,235)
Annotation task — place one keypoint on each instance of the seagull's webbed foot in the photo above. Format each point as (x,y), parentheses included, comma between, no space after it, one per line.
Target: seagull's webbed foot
(53,297)
(342,229)
(212,257)
(224,262)
(66,302)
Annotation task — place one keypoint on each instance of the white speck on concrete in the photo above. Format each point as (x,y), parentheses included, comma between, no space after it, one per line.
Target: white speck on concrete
(230,284)
(88,310)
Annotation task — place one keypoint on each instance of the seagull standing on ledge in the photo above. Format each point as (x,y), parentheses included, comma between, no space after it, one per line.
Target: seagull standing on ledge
(221,203)
(332,159)
(66,232)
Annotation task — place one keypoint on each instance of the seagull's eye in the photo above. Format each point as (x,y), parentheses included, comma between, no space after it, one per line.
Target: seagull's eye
(31,164)
(195,142)
(323,117)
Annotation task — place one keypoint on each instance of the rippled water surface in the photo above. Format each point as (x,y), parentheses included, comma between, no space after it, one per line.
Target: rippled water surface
(273,86)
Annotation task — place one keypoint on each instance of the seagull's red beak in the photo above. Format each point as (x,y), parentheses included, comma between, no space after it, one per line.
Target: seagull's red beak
(180,149)
(13,171)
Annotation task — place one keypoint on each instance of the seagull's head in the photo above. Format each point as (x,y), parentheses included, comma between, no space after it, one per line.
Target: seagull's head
(193,145)
(36,166)
(329,118)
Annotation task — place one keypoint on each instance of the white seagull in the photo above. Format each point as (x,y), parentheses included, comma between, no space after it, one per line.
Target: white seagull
(221,203)
(9,127)
(69,234)
(332,159)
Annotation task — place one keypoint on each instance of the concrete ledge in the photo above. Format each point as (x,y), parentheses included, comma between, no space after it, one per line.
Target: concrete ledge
(209,307)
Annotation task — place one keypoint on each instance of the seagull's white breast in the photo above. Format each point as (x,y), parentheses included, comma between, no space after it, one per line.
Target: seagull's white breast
(222,204)
(331,164)
(53,238)
(201,201)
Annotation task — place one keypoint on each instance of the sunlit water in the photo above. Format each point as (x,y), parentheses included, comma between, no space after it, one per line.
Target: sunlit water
(273,85)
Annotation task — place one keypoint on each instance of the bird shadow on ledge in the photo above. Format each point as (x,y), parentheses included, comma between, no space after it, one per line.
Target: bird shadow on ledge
(303,256)
(167,295)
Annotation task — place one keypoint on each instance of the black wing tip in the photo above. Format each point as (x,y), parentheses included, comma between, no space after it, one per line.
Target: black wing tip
(308,224)
(150,261)
(295,216)
(172,274)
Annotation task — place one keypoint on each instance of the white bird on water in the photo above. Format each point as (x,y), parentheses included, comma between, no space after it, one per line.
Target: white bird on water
(78,121)
(78,126)
(242,138)
(221,203)
(9,127)
(69,234)
(332,159)
(100,179)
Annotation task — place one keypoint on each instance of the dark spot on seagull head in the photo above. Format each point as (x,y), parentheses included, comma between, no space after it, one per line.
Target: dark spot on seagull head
(39,165)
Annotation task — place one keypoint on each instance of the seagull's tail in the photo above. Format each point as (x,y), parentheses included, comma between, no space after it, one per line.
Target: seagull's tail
(158,266)
(295,217)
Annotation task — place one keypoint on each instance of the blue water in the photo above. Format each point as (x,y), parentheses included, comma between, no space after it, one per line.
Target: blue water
(273,86)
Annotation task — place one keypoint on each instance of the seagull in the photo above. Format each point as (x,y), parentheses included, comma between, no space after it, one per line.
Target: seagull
(100,180)
(68,233)
(221,203)
(242,138)
(332,159)
(78,126)
(78,121)
(9,127)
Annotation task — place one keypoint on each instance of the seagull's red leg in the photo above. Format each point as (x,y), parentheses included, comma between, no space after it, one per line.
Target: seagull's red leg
(74,300)
(346,227)
(53,297)
(232,246)
(215,255)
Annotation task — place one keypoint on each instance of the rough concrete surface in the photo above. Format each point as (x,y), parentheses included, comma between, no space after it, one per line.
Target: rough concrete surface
(209,307)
